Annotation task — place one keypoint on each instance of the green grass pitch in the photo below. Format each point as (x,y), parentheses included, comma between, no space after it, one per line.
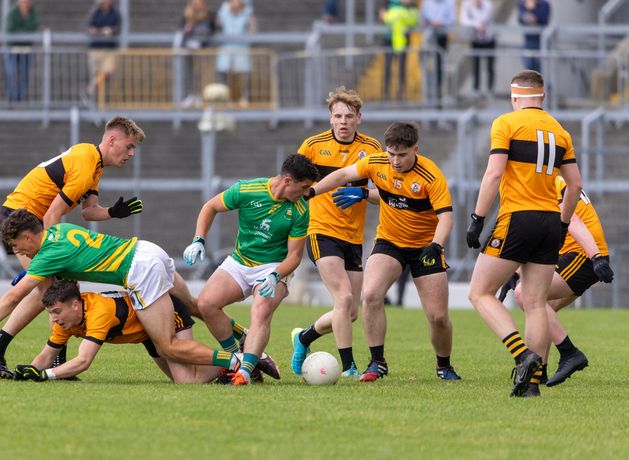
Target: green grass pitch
(124,408)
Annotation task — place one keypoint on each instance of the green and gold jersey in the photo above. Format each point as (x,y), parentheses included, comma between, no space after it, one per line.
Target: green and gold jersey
(73,252)
(265,224)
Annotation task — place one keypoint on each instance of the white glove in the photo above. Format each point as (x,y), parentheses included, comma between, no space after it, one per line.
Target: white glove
(196,249)
(266,288)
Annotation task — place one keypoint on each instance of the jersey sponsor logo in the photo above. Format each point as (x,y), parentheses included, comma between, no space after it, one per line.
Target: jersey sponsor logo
(324,152)
(398,202)
(263,230)
(265,225)
(415,187)
(381,175)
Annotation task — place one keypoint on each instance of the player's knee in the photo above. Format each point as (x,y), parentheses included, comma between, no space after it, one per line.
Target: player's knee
(518,296)
(439,320)
(344,303)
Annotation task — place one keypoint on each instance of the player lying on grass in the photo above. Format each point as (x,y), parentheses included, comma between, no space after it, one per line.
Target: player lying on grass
(141,267)
(99,318)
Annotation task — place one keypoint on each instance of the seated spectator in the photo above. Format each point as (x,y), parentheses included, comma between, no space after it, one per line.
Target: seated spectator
(103,28)
(478,15)
(233,64)
(21,18)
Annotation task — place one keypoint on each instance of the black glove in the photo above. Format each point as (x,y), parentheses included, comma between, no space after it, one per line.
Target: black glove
(473,231)
(429,255)
(602,269)
(564,233)
(28,372)
(122,209)
(511,284)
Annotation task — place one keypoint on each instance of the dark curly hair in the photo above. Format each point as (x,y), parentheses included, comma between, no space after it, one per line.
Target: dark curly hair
(299,168)
(18,222)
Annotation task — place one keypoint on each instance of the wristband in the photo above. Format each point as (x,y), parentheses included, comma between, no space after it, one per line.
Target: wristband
(199,239)
(51,375)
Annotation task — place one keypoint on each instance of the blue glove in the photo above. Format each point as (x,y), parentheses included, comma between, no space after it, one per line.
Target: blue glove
(196,249)
(347,196)
(267,285)
(18,278)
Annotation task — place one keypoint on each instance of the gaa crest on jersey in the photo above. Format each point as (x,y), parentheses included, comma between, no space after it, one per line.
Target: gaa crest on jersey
(362,154)
(415,187)
(495,242)
(288,214)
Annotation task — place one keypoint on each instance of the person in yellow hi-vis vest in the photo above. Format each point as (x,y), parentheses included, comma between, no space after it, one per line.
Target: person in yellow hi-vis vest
(400,16)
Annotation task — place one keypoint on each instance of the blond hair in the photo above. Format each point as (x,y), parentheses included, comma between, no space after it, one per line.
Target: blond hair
(128,126)
(347,96)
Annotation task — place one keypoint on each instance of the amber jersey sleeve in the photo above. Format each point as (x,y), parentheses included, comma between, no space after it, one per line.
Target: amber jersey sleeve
(586,212)
(107,317)
(409,201)
(536,145)
(74,175)
(329,154)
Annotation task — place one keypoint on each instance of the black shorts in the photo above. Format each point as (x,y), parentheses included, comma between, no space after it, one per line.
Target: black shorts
(526,236)
(410,257)
(577,271)
(4,213)
(183,321)
(319,246)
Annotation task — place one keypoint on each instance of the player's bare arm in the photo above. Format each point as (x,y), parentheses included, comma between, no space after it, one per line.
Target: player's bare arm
(490,184)
(572,176)
(58,208)
(14,296)
(583,236)
(444,227)
(293,258)
(337,178)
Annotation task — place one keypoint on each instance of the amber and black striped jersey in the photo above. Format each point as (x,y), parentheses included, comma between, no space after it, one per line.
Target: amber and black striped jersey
(74,175)
(107,317)
(586,212)
(329,154)
(537,146)
(410,201)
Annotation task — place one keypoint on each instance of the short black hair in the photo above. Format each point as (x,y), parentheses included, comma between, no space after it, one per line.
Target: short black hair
(18,222)
(401,134)
(61,291)
(299,168)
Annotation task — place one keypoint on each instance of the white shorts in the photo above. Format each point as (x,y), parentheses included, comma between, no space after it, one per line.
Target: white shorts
(152,274)
(247,277)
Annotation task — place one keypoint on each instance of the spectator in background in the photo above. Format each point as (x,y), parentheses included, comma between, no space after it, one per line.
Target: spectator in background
(21,18)
(198,25)
(478,15)
(439,15)
(331,11)
(235,18)
(103,28)
(400,16)
(533,13)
